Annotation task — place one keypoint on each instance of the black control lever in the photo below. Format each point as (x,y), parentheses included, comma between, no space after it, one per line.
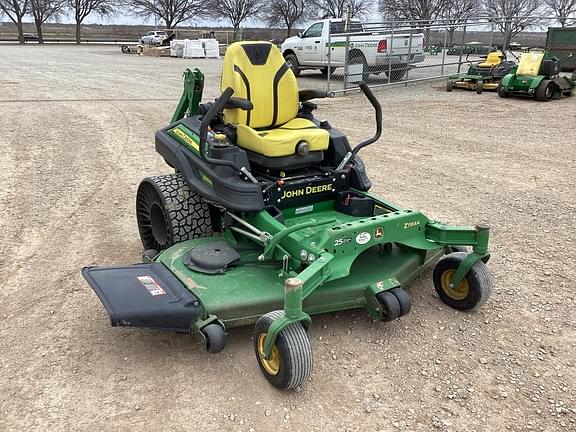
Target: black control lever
(214,110)
(378,111)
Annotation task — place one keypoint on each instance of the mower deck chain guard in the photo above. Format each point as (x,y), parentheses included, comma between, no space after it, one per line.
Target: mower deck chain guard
(144,295)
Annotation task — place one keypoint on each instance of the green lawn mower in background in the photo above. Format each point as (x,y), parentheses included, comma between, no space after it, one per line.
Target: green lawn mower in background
(267,219)
(483,75)
(538,76)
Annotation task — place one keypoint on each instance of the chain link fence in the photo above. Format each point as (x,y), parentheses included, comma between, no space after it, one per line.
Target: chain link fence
(398,52)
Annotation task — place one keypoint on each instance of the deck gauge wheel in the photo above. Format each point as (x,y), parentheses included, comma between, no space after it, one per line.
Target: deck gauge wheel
(214,337)
(472,292)
(290,363)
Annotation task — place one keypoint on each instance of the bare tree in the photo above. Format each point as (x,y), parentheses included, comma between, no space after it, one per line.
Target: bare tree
(15,10)
(43,10)
(284,13)
(456,12)
(562,9)
(512,16)
(172,12)
(419,13)
(338,8)
(82,8)
(236,11)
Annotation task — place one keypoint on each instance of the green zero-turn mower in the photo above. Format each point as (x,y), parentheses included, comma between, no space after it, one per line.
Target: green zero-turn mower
(538,76)
(267,219)
(484,75)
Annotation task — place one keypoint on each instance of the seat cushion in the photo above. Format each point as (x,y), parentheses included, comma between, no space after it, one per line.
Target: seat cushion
(492,59)
(282,141)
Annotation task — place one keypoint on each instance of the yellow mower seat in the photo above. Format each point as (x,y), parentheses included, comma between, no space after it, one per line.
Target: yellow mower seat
(492,59)
(257,72)
(530,63)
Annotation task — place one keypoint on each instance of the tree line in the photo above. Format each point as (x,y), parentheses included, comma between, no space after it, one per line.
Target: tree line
(512,14)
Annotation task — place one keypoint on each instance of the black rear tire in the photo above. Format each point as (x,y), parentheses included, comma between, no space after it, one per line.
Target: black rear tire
(168,212)
(292,62)
(545,90)
(449,86)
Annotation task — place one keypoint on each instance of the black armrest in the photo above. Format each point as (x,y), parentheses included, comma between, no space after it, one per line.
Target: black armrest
(305,95)
(238,102)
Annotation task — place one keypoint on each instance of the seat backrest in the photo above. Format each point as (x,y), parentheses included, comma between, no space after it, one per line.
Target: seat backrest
(257,71)
(492,59)
(530,63)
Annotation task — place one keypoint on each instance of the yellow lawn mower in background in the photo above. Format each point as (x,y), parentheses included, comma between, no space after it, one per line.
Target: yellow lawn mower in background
(483,75)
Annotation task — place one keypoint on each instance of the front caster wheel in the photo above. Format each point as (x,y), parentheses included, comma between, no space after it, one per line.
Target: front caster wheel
(214,337)
(472,292)
(291,361)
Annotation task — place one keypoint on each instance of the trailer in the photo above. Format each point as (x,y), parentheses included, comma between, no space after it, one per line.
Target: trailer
(561,42)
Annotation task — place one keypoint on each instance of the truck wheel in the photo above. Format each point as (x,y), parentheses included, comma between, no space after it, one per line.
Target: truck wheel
(545,91)
(358,58)
(291,360)
(472,292)
(500,90)
(449,86)
(396,74)
(168,212)
(292,62)
(324,71)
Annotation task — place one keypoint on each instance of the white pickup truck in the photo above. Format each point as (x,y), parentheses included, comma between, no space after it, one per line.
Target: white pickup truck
(375,51)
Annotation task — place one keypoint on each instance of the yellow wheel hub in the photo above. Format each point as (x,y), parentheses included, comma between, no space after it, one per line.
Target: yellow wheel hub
(455,293)
(272,366)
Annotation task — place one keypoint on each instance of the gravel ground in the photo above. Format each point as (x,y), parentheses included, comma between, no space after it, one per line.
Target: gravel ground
(77,137)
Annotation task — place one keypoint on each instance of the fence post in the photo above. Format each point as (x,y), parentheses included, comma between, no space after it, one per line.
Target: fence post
(444,50)
(346,50)
(408,57)
(462,46)
(491,32)
(391,47)
(329,56)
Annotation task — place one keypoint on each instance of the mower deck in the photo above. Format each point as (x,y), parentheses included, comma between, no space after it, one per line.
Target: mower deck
(471,82)
(251,288)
